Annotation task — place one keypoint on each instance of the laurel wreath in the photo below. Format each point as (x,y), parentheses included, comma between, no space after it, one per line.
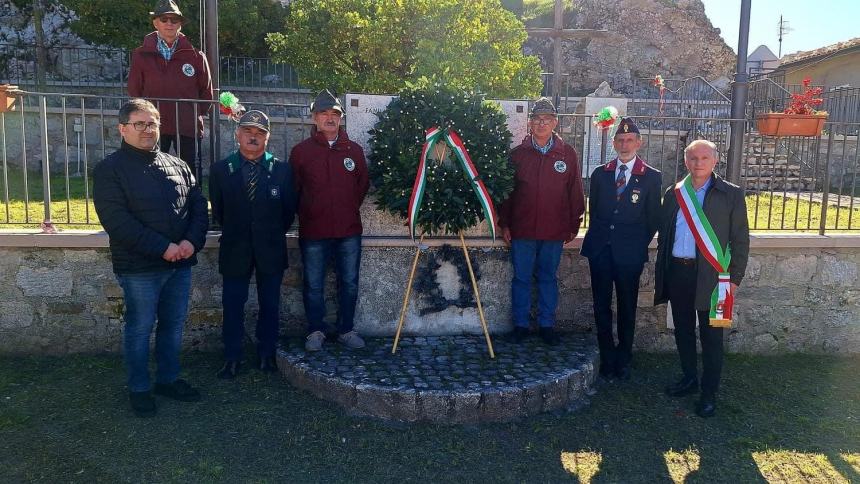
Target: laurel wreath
(449,205)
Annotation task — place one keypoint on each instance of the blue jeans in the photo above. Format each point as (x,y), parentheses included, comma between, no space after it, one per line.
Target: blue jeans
(161,295)
(233,298)
(347,257)
(536,259)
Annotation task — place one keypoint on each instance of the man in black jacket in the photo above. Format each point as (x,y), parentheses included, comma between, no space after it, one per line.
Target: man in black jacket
(154,212)
(703,224)
(254,201)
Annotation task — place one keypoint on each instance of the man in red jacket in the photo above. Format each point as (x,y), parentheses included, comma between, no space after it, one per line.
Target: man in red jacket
(541,215)
(331,181)
(167,66)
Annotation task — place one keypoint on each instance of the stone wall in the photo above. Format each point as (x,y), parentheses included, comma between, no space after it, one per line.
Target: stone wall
(58,295)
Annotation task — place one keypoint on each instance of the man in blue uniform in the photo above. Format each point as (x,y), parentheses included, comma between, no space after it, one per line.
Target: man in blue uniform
(624,201)
(254,201)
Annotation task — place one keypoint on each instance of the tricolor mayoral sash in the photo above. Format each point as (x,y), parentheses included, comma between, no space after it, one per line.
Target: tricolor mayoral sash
(709,246)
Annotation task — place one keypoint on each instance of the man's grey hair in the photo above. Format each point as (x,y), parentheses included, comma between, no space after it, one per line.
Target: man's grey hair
(700,142)
(134,106)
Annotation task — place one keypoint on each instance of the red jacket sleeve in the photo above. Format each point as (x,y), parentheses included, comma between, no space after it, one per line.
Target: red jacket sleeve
(135,76)
(504,211)
(363,178)
(204,84)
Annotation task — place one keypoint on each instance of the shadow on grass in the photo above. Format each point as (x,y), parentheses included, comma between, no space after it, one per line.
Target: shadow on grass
(779,418)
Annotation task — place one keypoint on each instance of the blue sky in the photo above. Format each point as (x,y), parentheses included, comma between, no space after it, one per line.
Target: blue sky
(815,23)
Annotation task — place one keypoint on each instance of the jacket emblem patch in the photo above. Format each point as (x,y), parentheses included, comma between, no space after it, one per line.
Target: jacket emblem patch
(349,164)
(560,166)
(188,70)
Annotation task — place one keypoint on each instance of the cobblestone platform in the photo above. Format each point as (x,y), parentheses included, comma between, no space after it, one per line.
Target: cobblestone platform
(446,379)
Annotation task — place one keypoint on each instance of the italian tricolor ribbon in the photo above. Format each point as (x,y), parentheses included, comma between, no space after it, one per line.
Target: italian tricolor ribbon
(433,136)
(709,246)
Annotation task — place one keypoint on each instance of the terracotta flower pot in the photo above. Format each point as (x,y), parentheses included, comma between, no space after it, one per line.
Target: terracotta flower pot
(779,124)
(7,99)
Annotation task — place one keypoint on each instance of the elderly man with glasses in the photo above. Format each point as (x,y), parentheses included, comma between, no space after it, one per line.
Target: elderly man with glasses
(541,215)
(154,212)
(167,66)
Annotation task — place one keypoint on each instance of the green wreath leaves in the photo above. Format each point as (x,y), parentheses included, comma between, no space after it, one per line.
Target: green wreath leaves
(449,204)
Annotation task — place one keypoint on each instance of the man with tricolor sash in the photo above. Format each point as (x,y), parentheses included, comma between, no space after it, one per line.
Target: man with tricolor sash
(702,254)
(542,214)
(624,209)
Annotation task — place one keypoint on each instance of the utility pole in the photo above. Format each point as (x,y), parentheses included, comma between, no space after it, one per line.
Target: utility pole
(740,88)
(210,23)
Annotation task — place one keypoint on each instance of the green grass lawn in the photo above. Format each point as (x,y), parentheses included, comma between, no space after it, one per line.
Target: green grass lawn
(69,207)
(782,419)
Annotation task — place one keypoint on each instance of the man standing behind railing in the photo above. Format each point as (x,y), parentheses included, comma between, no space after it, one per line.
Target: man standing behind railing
(167,66)
(156,216)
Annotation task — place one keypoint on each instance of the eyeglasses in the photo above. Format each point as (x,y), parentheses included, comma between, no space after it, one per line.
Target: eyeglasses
(174,20)
(142,126)
(543,121)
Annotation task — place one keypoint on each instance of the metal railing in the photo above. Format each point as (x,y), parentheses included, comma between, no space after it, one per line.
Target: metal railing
(50,143)
(107,68)
(693,97)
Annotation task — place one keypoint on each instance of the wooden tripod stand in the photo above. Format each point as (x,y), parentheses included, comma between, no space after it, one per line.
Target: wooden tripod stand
(474,290)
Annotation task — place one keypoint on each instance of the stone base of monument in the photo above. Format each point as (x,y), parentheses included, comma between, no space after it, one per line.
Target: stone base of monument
(446,379)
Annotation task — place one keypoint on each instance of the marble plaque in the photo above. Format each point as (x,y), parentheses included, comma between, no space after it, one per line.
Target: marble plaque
(362,110)
(591,148)
(361,116)
(518,118)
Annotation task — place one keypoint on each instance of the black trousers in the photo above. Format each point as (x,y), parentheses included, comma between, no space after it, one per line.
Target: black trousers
(234,295)
(682,295)
(185,148)
(606,273)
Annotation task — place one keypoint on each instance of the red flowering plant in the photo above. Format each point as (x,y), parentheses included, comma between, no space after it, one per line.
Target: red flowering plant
(805,102)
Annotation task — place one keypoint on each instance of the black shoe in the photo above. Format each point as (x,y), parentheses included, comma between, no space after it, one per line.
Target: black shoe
(268,364)
(549,336)
(142,403)
(623,372)
(230,370)
(519,334)
(606,372)
(178,390)
(706,407)
(684,386)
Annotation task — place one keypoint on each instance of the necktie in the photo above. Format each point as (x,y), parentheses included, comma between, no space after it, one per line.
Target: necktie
(619,182)
(252,181)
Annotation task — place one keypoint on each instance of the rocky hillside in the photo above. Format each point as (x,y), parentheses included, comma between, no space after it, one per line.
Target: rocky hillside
(673,38)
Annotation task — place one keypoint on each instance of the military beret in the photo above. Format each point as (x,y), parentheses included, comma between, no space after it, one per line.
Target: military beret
(627,125)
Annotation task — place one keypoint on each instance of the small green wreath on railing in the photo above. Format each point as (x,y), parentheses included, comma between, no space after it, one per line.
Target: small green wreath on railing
(449,205)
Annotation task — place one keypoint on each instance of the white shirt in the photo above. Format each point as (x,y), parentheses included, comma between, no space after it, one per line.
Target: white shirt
(627,172)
